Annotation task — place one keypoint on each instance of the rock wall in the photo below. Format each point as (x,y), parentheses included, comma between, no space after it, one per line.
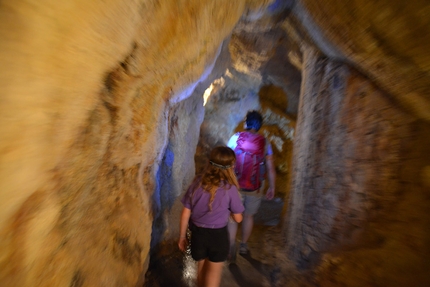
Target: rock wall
(97,134)
(389,42)
(87,89)
(225,112)
(258,76)
(358,205)
(176,169)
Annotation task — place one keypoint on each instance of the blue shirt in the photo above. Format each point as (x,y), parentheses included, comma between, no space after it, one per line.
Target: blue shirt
(232,143)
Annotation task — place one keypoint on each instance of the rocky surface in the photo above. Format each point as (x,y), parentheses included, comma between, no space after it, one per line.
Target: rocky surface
(88,93)
(387,41)
(355,203)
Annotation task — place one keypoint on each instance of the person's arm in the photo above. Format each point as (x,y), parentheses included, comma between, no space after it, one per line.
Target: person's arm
(236,206)
(237,217)
(185,217)
(272,176)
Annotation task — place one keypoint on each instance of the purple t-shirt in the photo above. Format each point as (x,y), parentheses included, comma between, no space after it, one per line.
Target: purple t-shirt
(227,200)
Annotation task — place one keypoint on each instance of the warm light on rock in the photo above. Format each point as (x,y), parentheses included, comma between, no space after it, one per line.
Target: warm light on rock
(108,109)
(207,94)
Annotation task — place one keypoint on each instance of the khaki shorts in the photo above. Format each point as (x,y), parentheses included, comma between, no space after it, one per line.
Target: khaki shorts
(251,200)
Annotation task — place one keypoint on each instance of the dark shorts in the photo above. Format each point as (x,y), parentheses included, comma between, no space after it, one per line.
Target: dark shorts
(209,243)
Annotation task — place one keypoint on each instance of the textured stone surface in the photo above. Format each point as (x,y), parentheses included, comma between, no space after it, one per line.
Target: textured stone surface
(388,41)
(357,204)
(86,91)
(97,141)
(177,167)
(261,50)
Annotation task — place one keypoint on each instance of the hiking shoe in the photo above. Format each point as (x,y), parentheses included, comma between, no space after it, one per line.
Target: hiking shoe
(243,250)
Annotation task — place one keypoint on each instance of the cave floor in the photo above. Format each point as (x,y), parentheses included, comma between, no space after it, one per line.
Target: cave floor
(256,269)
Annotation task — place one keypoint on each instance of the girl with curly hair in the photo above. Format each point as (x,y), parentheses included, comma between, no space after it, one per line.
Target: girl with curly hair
(208,203)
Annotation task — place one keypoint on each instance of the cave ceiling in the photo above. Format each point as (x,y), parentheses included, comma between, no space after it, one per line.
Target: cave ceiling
(388,44)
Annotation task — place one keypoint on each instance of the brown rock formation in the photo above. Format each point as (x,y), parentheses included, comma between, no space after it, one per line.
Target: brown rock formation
(101,112)
(86,91)
(356,197)
(387,41)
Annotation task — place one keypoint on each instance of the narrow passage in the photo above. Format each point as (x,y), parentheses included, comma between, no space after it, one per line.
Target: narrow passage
(253,270)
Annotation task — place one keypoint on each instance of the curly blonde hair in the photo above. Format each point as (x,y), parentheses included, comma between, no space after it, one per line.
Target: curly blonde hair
(219,171)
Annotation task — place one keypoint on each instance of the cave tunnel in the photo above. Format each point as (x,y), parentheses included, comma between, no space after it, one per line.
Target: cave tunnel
(110,108)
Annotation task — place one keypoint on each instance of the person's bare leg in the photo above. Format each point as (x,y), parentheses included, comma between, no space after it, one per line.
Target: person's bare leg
(247,225)
(213,272)
(232,230)
(248,220)
(200,273)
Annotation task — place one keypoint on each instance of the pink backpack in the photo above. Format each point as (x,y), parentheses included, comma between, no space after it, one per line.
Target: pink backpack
(250,152)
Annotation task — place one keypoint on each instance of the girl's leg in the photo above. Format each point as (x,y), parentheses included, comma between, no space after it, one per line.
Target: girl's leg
(212,273)
(201,266)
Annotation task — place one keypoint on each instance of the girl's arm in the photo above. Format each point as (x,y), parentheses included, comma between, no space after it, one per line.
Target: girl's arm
(185,217)
(236,206)
(237,217)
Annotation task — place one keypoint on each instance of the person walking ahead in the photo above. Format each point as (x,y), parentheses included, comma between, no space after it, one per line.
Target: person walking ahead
(253,153)
(208,203)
